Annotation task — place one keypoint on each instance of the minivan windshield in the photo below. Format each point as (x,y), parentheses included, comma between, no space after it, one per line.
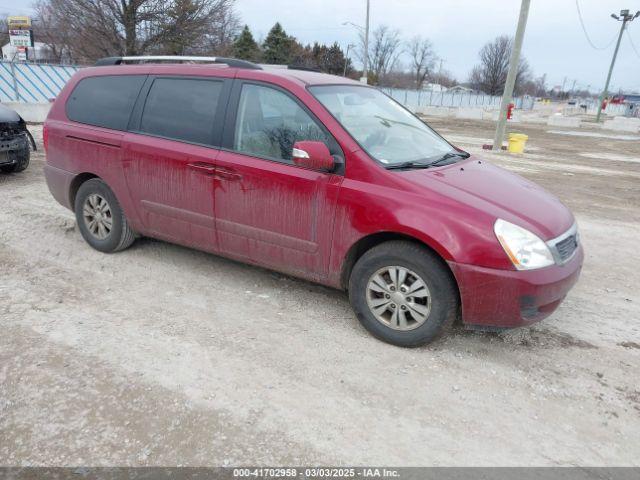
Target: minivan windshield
(387,131)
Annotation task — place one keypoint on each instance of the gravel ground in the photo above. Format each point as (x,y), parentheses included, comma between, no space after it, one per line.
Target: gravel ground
(161,355)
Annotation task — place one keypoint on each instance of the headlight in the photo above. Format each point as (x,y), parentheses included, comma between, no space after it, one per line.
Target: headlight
(526,250)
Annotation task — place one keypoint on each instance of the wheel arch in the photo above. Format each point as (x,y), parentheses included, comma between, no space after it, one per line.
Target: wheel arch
(367,242)
(77,181)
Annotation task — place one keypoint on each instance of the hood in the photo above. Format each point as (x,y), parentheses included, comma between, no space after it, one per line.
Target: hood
(499,193)
(8,116)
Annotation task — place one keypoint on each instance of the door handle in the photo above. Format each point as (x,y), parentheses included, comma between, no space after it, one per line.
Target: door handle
(226,174)
(203,168)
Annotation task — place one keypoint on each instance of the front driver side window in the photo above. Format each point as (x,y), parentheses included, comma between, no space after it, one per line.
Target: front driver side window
(269,122)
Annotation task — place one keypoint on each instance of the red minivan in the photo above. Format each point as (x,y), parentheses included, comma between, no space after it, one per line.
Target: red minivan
(312,175)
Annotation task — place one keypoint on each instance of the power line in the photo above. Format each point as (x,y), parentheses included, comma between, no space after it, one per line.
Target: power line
(584,29)
(632,44)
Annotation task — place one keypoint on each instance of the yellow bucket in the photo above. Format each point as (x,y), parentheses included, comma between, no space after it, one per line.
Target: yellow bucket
(517,142)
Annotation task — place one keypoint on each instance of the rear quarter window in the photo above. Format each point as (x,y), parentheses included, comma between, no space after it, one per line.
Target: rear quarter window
(104,101)
(182,109)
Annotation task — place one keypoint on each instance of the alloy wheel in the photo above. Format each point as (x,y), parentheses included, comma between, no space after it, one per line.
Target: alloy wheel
(398,298)
(97,216)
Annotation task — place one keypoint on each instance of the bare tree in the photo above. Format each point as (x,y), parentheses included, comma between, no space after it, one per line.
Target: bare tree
(444,78)
(56,37)
(541,85)
(490,75)
(384,51)
(97,28)
(423,59)
(4,30)
(181,27)
(90,29)
(222,27)
(197,26)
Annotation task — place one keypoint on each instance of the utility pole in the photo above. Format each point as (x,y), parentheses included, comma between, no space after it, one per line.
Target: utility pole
(624,17)
(365,69)
(346,59)
(514,63)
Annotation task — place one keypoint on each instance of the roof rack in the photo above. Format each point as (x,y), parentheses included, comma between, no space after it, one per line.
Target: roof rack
(232,62)
(303,68)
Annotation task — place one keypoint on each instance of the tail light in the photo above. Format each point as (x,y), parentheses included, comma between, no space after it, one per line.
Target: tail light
(45,137)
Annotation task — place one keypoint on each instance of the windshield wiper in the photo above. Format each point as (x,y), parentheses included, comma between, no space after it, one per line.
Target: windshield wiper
(388,121)
(411,164)
(434,163)
(448,156)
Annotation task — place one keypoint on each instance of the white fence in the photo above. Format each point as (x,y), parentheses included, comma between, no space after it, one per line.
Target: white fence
(417,98)
(32,82)
(35,83)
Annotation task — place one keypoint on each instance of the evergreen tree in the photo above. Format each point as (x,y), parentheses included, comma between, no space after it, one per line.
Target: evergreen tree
(277,47)
(329,59)
(302,56)
(178,37)
(245,47)
(334,60)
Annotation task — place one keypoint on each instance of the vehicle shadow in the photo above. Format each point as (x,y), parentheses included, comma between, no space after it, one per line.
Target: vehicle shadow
(293,289)
(532,337)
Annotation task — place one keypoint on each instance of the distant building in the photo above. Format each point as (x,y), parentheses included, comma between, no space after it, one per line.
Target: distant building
(632,98)
(460,88)
(39,52)
(434,87)
(632,103)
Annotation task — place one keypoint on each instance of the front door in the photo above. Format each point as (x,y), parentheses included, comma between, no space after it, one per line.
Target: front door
(169,159)
(268,210)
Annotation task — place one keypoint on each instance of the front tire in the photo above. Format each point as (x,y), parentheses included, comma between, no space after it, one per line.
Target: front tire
(100,218)
(403,294)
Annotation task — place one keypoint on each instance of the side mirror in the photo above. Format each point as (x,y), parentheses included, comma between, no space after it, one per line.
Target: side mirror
(313,155)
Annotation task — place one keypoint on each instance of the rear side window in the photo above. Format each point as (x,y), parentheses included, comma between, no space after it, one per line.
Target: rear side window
(104,101)
(182,109)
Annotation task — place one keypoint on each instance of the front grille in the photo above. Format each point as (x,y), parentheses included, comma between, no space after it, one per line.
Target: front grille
(566,247)
(11,132)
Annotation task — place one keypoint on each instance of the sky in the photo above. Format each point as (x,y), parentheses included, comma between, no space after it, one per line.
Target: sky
(554,41)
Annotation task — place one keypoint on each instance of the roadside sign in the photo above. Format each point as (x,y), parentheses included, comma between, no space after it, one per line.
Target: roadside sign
(18,22)
(20,38)
(22,54)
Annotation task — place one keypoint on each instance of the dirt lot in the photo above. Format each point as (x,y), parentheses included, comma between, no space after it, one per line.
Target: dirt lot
(160,355)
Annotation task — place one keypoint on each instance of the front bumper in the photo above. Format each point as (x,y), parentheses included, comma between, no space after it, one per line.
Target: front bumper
(511,298)
(9,146)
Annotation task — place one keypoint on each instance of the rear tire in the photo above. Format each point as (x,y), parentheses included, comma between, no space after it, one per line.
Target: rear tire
(21,160)
(403,294)
(101,219)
